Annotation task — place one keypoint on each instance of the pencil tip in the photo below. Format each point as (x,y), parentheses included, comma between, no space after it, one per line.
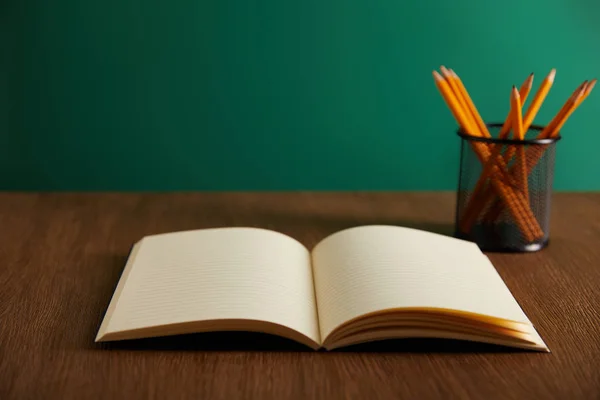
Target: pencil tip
(446,72)
(552,74)
(591,85)
(437,76)
(515,95)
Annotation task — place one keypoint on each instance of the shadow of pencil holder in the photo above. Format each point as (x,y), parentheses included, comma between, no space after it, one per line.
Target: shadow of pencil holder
(505,191)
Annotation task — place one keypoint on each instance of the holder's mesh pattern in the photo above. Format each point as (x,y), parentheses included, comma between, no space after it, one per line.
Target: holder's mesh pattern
(505,205)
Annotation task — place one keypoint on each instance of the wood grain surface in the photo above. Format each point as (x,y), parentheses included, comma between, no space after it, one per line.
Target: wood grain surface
(61,256)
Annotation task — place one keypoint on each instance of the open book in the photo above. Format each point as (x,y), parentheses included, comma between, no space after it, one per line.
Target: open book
(360,284)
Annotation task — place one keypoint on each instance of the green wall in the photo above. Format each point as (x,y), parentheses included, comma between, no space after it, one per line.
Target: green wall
(274,94)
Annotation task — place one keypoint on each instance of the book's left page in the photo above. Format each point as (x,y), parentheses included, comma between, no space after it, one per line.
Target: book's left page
(221,279)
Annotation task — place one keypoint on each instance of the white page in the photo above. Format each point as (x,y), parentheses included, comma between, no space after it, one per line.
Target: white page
(216,274)
(367,269)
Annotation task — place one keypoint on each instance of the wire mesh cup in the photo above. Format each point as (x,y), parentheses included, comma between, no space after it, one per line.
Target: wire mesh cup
(504,191)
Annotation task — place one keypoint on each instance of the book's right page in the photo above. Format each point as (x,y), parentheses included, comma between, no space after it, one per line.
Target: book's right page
(370,269)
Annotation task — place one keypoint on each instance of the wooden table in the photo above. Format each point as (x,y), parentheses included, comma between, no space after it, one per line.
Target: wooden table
(61,256)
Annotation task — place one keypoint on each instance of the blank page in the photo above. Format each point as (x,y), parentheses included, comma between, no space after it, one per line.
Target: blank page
(215,274)
(372,268)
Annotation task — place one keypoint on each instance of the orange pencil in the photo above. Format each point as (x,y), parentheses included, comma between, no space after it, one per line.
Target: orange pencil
(538,99)
(589,89)
(530,114)
(520,135)
(477,197)
(523,92)
(462,101)
(566,110)
(493,166)
(471,106)
(579,98)
(525,89)
(446,92)
(552,129)
(511,198)
(478,193)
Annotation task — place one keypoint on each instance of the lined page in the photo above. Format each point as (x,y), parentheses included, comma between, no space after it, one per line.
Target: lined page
(216,274)
(372,268)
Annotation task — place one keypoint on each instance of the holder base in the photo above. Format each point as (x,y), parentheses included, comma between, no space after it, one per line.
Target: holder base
(501,239)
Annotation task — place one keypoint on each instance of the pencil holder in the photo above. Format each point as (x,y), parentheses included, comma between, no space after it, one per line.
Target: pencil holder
(504,191)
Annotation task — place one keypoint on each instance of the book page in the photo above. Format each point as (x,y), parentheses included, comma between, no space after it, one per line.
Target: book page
(373,268)
(222,275)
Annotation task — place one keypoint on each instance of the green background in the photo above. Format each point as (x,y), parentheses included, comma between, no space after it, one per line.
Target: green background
(274,94)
